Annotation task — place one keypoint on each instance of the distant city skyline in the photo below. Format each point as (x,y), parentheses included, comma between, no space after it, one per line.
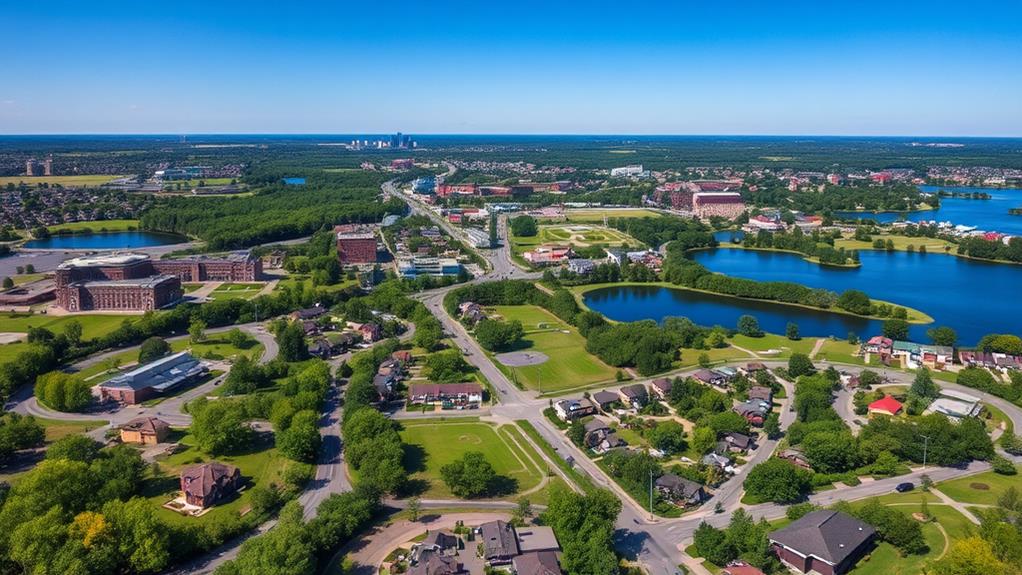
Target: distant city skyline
(797,68)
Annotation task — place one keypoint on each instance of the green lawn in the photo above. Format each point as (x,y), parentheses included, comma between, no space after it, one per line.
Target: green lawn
(596,215)
(777,342)
(66,181)
(563,234)
(982,489)
(885,559)
(690,356)
(108,225)
(236,291)
(93,325)
(262,466)
(569,366)
(432,444)
(840,351)
(26,278)
(56,429)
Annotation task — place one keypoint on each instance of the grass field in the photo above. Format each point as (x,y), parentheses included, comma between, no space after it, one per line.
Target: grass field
(885,559)
(93,325)
(569,366)
(596,214)
(66,181)
(236,291)
(771,341)
(56,428)
(575,235)
(690,356)
(26,278)
(840,351)
(901,243)
(262,466)
(432,444)
(981,489)
(108,225)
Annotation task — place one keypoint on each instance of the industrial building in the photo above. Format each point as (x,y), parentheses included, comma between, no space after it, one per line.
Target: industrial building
(151,379)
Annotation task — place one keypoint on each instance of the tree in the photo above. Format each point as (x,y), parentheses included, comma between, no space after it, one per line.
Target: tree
(831,451)
(923,386)
(62,391)
(291,343)
(197,330)
(284,550)
(469,477)
(153,348)
(8,283)
(30,269)
(220,427)
(896,329)
(428,334)
(791,331)
(238,338)
(523,510)
(667,436)
(704,439)
(712,544)
(413,508)
(772,426)
(778,481)
(799,364)
(524,226)
(749,326)
(301,440)
(854,301)
(704,360)
(74,448)
(942,335)
(446,366)
(496,335)
(73,332)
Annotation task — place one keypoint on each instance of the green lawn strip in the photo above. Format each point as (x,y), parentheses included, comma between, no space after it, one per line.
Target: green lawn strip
(583,481)
(66,181)
(93,325)
(262,466)
(997,417)
(981,489)
(97,225)
(57,428)
(431,445)
(596,216)
(770,341)
(690,356)
(839,351)
(26,278)
(569,364)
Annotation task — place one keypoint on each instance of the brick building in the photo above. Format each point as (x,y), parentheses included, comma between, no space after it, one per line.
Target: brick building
(233,267)
(356,244)
(724,204)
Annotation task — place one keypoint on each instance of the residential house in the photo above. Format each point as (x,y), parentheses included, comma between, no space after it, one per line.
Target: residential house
(885,406)
(536,563)
(207,484)
(754,411)
(448,395)
(661,387)
(581,266)
(710,377)
(536,538)
(310,327)
(741,568)
(728,373)
(680,491)
(878,345)
(371,332)
(718,460)
(634,396)
(753,366)
(391,367)
(307,314)
(738,442)
(500,544)
(823,541)
(404,356)
(384,385)
(441,542)
(605,399)
(760,393)
(572,409)
(611,441)
(596,430)
(432,563)
(955,405)
(795,457)
(145,431)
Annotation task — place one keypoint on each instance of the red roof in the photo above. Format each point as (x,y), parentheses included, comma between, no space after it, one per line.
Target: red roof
(742,570)
(888,404)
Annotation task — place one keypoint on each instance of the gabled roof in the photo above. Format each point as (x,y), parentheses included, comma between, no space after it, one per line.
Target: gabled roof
(679,485)
(605,396)
(498,538)
(441,540)
(537,563)
(595,425)
(431,563)
(200,480)
(151,425)
(828,535)
(887,403)
(634,391)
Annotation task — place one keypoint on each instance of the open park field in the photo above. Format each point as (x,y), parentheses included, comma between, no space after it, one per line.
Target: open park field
(901,243)
(431,444)
(982,489)
(93,325)
(577,235)
(596,214)
(569,364)
(66,181)
(236,290)
(96,226)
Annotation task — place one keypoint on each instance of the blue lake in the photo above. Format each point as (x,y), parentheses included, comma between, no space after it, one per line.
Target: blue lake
(975,298)
(989,215)
(106,241)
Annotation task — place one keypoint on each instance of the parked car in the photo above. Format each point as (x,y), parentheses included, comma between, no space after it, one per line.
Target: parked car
(903,487)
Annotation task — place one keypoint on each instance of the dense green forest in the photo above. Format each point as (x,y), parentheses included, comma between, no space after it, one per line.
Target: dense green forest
(278,212)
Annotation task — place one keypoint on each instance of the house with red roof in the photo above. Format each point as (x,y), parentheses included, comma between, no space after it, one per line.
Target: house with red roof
(885,406)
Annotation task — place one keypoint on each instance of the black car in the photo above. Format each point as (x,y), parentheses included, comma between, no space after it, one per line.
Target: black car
(903,487)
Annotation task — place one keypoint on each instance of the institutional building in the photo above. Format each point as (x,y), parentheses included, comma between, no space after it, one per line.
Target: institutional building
(356,244)
(152,379)
(724,204)
(134,282)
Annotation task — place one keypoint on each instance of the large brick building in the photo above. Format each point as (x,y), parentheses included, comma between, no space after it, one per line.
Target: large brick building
(724,204)
(233,267)
(355,244)
(134,282)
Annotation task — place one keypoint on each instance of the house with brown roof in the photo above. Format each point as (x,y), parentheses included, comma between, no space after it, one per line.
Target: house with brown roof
(145,431)
(661,387)
(680,491)
(605,399)
(433,563)
(634,396)
(440,541)
(537,563)
(207,484)
(741,568)
(761,393)
(795,457)
(499,542)
(823,541)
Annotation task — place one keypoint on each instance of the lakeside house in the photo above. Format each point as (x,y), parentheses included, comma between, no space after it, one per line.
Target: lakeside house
(823,541)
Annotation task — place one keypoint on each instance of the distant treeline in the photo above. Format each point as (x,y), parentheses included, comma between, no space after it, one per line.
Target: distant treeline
(277,212)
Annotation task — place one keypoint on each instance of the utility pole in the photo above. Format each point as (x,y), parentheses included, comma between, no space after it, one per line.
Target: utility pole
(650,494)
(926,444)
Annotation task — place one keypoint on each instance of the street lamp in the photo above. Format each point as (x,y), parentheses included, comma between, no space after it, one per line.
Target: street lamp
(926,444)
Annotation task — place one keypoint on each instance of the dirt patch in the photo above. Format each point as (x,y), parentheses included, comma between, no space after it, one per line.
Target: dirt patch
(11,337)
(979,486)
(522,358)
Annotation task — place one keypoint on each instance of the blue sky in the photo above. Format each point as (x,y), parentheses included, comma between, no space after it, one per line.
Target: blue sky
(862,68)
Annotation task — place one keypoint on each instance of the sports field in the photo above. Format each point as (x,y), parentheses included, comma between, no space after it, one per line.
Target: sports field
(569,366)
(431,444)
(67,181)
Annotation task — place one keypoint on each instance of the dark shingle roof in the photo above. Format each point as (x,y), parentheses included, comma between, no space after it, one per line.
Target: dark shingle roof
(829,535)
(538,563)
(499,539)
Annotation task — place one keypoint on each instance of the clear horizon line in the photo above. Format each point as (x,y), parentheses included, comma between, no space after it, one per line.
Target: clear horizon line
(519,134)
